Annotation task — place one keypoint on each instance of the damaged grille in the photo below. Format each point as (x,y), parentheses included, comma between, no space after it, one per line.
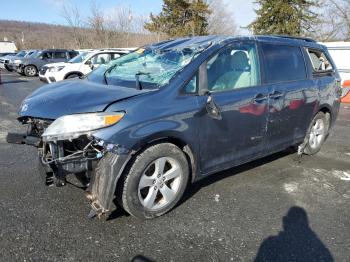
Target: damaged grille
(36,127)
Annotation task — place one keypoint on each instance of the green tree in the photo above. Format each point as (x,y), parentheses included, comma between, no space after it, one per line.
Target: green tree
(285,17)
(180,18)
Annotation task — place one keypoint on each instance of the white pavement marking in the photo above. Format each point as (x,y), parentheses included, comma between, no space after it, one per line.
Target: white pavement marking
(342,175)
(290,187)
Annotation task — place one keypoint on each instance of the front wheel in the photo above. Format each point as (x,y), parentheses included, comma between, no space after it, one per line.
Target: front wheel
(155,181)
(317,133)
(30,71)
(72,76)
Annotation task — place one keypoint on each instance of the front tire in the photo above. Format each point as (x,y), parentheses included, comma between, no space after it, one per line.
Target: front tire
(72,76)
(30,71)
(155,181)
(317,133)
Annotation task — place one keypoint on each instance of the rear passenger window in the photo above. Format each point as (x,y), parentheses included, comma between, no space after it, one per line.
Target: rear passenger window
(283,63)
(60,55)
(319,61)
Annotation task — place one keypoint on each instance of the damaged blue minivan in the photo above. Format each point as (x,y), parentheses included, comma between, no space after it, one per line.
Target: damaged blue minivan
(150,123)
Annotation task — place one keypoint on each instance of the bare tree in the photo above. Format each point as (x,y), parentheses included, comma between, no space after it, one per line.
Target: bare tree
(74,19)
(333,21)
(221,20)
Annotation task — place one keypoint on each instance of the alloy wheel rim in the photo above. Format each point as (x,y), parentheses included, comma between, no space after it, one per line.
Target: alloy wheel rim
(160,183)
(31,71)
(317,133)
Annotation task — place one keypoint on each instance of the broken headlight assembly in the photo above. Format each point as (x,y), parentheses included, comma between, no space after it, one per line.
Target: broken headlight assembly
(72,126)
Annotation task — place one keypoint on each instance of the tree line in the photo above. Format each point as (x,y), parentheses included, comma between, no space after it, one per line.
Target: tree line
(324,20)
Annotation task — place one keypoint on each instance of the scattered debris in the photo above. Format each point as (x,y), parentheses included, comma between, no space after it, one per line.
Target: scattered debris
(216,198)
(342,175)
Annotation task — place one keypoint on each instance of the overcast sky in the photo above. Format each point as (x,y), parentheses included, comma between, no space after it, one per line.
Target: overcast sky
(48,11)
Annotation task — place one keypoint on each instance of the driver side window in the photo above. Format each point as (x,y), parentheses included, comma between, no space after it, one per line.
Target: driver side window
(101,59)
(233,67)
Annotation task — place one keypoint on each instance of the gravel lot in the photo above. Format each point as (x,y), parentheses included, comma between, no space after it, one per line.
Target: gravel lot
(274,209)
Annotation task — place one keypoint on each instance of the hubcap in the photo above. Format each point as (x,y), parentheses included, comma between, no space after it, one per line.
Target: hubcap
(31,71)
(317,133)
(160,183)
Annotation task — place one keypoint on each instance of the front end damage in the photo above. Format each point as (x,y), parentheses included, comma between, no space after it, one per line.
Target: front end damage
(97,164)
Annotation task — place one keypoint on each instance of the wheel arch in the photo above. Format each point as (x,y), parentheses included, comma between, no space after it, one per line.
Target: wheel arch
(327,110)
(171,138)
(32,65)
(73,73)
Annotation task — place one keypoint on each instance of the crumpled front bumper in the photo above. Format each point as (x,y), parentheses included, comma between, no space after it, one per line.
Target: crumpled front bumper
(104,171)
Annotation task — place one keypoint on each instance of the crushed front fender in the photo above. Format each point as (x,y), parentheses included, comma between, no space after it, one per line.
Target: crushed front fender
(104,182)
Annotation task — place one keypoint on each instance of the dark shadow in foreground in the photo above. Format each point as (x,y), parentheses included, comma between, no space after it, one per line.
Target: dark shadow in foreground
(13,82)
(140,258)
(297,241)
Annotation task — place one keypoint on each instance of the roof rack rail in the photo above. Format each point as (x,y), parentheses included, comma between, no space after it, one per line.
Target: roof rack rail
(307,39)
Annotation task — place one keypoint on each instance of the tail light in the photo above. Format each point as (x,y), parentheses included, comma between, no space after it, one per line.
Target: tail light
(346,83)
(346,97)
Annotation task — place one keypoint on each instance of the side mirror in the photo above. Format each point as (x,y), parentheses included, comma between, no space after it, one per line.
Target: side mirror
(212,109)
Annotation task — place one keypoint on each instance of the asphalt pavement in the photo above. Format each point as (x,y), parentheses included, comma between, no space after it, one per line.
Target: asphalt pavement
(274,209)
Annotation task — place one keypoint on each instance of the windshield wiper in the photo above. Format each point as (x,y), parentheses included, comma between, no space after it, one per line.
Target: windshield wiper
(137,77)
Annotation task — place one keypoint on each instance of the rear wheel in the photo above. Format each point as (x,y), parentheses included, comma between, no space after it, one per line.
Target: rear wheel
(155,181)
(30,71)
(317,133)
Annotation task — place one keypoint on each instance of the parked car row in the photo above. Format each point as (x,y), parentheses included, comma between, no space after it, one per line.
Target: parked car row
(80,65)
(54,65)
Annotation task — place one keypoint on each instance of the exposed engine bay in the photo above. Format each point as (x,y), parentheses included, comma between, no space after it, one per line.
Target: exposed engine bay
(78,156)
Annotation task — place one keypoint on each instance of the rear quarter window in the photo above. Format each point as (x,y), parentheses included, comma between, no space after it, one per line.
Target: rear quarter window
(320,62)
(283,63)
(60,55)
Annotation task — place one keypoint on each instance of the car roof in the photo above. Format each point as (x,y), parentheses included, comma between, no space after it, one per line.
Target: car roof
(205,41)
(59,50)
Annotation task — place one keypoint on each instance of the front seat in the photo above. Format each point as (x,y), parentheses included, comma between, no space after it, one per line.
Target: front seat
(239,75)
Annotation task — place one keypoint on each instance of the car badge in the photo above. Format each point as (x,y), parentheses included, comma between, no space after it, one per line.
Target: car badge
(24,107)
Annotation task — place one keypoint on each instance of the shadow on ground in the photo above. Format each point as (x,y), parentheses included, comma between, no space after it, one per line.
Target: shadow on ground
(13,82)
(297,241)
(195,187)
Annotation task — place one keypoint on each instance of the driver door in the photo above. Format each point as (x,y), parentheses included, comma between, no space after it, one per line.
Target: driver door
(233,125)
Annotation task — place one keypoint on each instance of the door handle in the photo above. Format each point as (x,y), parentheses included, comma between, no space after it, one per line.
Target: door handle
(276,95)
(259,98)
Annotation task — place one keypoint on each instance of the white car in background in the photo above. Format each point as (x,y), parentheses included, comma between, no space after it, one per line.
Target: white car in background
(80,65)
(340,52)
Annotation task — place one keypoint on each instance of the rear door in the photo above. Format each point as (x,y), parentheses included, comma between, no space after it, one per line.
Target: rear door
(292,94)
(232,127)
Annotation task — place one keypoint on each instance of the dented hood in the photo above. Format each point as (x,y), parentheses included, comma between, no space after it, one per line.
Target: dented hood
(73,97)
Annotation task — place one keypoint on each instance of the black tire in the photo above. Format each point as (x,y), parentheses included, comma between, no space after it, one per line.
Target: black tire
(8,69)
(30,71)
(128,195)
(310,147)
(72,76)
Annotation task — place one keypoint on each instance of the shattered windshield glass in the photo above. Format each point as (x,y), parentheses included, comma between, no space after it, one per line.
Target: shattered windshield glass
(152,67)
